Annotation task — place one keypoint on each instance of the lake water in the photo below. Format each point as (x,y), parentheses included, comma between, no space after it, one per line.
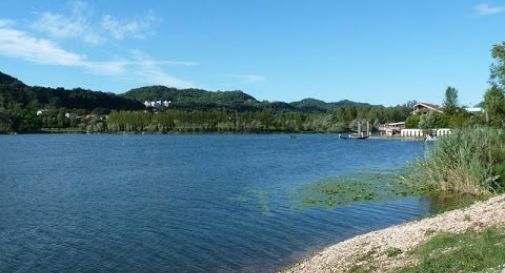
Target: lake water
(192,203)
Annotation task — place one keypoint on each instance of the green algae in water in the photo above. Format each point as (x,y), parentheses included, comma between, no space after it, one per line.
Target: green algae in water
(372,186)
(357,187)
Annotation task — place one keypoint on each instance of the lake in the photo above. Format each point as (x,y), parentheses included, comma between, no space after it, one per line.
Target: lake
(182,203)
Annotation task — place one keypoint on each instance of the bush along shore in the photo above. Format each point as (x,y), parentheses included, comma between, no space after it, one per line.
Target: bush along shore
(467,165)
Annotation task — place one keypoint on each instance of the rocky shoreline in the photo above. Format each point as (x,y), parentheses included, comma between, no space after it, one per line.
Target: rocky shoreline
(377,246)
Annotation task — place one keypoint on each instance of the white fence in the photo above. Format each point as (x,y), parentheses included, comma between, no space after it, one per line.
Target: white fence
(421,133)
(412,133)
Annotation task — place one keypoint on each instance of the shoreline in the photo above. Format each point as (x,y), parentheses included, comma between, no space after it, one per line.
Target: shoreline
(75,131)
(342,256)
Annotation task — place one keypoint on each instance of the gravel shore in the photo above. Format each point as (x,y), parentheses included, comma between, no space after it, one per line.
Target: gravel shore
(375,245)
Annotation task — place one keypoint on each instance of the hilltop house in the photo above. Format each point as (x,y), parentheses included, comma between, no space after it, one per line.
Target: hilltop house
(426,106)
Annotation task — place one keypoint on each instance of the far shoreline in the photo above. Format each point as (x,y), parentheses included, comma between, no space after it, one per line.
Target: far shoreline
(81,132)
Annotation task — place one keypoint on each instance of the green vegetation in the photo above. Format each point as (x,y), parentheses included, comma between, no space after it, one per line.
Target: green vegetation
(451,100)
(373,186)
(190,110)
(467,252)
(467,161)
(393,252)
(225,121)
(358,187)
(494,102)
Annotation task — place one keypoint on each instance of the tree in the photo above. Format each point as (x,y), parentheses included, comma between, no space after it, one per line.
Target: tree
(498,69)
(494,104)
(433,120)
(451,100)
(412,121)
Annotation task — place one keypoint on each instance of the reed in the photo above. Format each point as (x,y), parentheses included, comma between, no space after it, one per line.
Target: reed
(468,161)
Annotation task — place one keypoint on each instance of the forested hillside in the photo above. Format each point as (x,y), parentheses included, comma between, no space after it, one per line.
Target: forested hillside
(26,108)
(198,99)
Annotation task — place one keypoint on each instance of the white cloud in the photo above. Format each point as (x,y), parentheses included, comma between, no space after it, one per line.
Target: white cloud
(18,44)
(249,78)
(486,9)
(15,43)
(60,26)
(138,28)
(75,25)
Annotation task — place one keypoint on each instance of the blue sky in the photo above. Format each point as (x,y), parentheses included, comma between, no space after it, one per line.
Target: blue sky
(382,52)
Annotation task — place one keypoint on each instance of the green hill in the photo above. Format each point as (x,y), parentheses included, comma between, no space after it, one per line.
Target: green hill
(198,99)
(8,80)
(14,93)
(195,99)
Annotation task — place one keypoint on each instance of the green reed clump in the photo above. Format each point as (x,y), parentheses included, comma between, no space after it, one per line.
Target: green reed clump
(466,161)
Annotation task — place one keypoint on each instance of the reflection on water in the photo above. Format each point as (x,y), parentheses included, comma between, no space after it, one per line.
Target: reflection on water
(445,202)
(197,203)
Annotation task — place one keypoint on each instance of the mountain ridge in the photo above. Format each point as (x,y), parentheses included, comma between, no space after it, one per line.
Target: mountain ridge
(189,99)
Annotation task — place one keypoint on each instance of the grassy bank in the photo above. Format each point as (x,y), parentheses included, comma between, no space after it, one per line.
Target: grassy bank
(471,251)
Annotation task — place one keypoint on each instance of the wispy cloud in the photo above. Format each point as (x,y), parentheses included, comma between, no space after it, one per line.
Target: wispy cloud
(484,9)
(152,73)
(74,25)
(138,28)
(81,23)
(19,44)
(6,23)
(249,78)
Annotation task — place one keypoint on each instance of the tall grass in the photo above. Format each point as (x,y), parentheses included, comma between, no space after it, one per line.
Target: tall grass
(467,161)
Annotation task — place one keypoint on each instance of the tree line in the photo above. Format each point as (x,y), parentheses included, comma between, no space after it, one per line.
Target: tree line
(337,120)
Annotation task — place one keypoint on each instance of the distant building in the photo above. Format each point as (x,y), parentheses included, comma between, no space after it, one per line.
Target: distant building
(41,112)
(390,129)
(474,110)
(71,116)
(428,106)
(157,104)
